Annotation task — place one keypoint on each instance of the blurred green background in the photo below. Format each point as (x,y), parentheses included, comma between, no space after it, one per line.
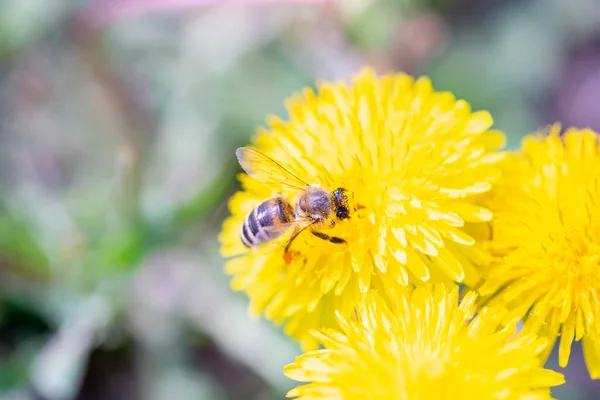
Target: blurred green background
(118,124)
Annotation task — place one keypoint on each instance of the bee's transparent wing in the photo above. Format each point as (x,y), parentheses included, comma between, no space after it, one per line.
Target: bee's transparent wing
(265,169)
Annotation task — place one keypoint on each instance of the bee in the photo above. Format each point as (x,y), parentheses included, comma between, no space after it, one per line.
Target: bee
(274,217)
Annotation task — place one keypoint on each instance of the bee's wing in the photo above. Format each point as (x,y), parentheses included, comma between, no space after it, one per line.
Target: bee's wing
(265,169)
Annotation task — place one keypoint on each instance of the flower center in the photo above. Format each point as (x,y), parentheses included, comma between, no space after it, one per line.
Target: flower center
(578,256)
(432,367)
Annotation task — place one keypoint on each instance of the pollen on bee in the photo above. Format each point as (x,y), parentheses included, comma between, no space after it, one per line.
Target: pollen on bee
(289,256)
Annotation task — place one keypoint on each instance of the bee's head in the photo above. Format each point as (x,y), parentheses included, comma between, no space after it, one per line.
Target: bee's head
(315,203)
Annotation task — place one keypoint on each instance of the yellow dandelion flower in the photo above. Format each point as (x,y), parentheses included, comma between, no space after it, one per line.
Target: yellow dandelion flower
(428,346)
(411,161)
(547,235)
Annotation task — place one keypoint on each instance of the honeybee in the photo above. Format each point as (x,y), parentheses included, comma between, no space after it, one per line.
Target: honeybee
(314,206)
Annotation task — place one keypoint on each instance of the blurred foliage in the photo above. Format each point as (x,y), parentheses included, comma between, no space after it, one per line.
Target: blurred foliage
(118,124)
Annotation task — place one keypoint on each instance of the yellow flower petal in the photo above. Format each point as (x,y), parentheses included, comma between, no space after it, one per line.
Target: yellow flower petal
(591,352)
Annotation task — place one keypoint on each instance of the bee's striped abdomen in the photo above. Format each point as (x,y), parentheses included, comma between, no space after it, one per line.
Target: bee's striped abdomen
(265,222)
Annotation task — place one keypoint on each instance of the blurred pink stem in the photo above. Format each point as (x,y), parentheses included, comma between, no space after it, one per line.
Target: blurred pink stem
(101,12)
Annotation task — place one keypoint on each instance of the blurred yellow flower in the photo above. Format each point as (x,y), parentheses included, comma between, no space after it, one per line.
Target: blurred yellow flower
(428,346)
(411,160)
(547,236)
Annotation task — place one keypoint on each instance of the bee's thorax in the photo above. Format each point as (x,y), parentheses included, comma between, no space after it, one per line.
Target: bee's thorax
(315,203)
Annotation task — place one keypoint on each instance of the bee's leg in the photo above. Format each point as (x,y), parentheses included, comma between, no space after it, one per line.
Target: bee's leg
(331,239)
(288,255)
(294,235)
(291,239)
